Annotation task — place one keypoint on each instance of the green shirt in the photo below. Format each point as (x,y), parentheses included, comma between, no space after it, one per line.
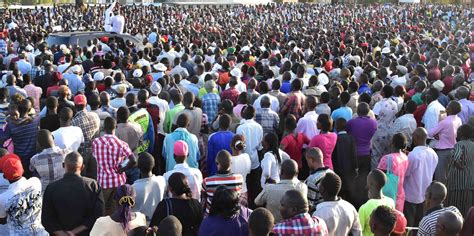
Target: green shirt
(417,98)
(169,117)
(366,210)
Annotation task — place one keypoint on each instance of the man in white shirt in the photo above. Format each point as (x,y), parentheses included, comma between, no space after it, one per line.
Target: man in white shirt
(340,216)
(193,175)
(434,110)
(308,123)
(67,136)
(422,161)
(150,189)
(118,22)
(406,124)
(23,65)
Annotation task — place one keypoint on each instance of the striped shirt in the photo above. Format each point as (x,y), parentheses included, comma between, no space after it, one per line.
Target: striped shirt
(24,138)
(49,165)
(110,151)
(314,196)
(428,223)
(210,184)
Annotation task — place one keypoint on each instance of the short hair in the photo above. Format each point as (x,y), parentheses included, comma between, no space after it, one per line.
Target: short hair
(110,124)
(188,98)
(73,159)
(170,226)
(289,167)
(296,85)
(261,221)
(363,109)
(265,102)
(325,122)
(65,114)
(341,124)
(182,121)
(385,218)
(225,121)
(387,91)
(130,99)
(51,102)
(455,107)
(325,97)
(248,112)
(331,183)
(311,102)
(436,191)
(379,178)
(145,162)
(123,113)
(399,141)
(225,202)
(345,97)
(224,159)
(143,95)
(290,122)
(410,106)
(294,198)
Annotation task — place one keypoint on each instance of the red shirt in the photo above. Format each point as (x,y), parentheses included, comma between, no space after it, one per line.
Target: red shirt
(294,146)
(418,114)
(231,94)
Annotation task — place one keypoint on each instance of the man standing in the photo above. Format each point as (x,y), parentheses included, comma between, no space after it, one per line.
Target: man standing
(210,101)
(268,119)
(308,123)
(272,193)
(20,204)
(296,220)
(118,22)
(218,141)
(194,114)
(176,98)
(422,161)
(314,157)
(89,122)
(128,132)
(72,204)
(434,110)
(48,163)
(67,136)
(114,157)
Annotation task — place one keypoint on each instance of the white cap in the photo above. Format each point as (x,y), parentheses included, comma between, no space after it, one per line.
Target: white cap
(99,76)
(323,79)
(29,48)
(160,67)
(386,50)
(155,88)
(438,85)
(236,72)
(137,73)
(76,69)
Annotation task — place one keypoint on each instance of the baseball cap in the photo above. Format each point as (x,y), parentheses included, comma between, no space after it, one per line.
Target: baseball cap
(80,99)
(11,167)
(180,148)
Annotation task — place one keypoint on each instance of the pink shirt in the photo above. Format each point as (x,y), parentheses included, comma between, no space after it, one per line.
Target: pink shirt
(238,109)
(326,142)
(35,93)
(446,131)
(399,168)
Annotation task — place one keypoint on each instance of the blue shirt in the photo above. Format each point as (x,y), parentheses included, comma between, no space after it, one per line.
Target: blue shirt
(210,105)
(285,87)
(218,225)
(342,112)
(217,141)
(24,139)
(75,83)
(193,148)
(364,88)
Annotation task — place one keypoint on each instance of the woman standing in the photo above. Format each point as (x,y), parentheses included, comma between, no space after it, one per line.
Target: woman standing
(325,140)
(460,181)
(271,160)
(240,163)
(123,219)
(181,204)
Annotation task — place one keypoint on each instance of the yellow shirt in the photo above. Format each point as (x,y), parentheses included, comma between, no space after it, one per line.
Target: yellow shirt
(366,210)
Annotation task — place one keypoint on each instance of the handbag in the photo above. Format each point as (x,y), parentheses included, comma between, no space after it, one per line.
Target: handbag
(390,188)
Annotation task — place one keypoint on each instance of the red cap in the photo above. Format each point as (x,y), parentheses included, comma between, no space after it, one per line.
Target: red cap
(400,224)
(148,79)
(104,39)
(80,99)
(364,44)
(56,77)
(423,57)
(11,167)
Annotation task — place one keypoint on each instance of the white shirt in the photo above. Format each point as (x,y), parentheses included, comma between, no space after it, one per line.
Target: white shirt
(406,125)
(308,124)
(118,23)
(340,216)
(150,192)
(193,175)
(386,111)
(164,107)
(21,205)
(24,66)
(62,68)
(69,137)
(432,113)
(270,166)
(253,133)
(241,165)
(422,163)
(275,104)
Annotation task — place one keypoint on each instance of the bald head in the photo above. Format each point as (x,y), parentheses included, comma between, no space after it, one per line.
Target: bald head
(73,163)
(419,136)
(223,158)
(289,169)
(45,139)
(449,223)
(314,157)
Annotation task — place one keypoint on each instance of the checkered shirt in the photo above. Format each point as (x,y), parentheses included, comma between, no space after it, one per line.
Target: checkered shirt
(36,71)
(89,123)
(268,119)
(49,165)
(110,151)
(210,105)
(294,105)
(302,224)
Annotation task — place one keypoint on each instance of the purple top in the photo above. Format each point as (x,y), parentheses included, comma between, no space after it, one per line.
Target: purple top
(362,129)
(218,226)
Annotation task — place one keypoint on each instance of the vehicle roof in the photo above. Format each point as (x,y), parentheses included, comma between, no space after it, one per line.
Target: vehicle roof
(93,34)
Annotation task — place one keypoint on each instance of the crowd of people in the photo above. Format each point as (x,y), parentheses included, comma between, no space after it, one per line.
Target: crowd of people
(279,119)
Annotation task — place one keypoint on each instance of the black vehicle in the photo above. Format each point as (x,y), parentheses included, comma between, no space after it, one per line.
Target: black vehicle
(80,38)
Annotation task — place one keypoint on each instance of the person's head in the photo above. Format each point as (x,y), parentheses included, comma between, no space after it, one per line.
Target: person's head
(454,107)
(462,93)
(143,95)
(182,121)
(125,197)
(248,112)
(345,97)
(310,103)
(225,121)
(223,161)
(131,99)
(289,169)
(110,125)
(73,163)
(188,99)
(80,102)
(265,102)
(330,186)
(431,95)
(24,107)
(290,123)
(145,163)
(178,185)
(44,139)
(324,123)
(176,96)
(363,109)
(419,136)
(314,158)
(52,104)
(180,151)
(225,203)
(387,91)
(449,224)
(293,203)
(261,222)
(465,132)
(296,85)
(435,194)
(238,143)
(4,94)
(122,114)
(399,142)
(375,181)
(382,221)
(410,107)
(170,226)
(341,124)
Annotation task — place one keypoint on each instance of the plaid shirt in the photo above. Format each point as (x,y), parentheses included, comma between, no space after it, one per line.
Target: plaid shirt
(231,94)
(49,165)
(302,224)
(110,151)
(89,123)
(36,71)
(268,119)
(293,104)
(210,105)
